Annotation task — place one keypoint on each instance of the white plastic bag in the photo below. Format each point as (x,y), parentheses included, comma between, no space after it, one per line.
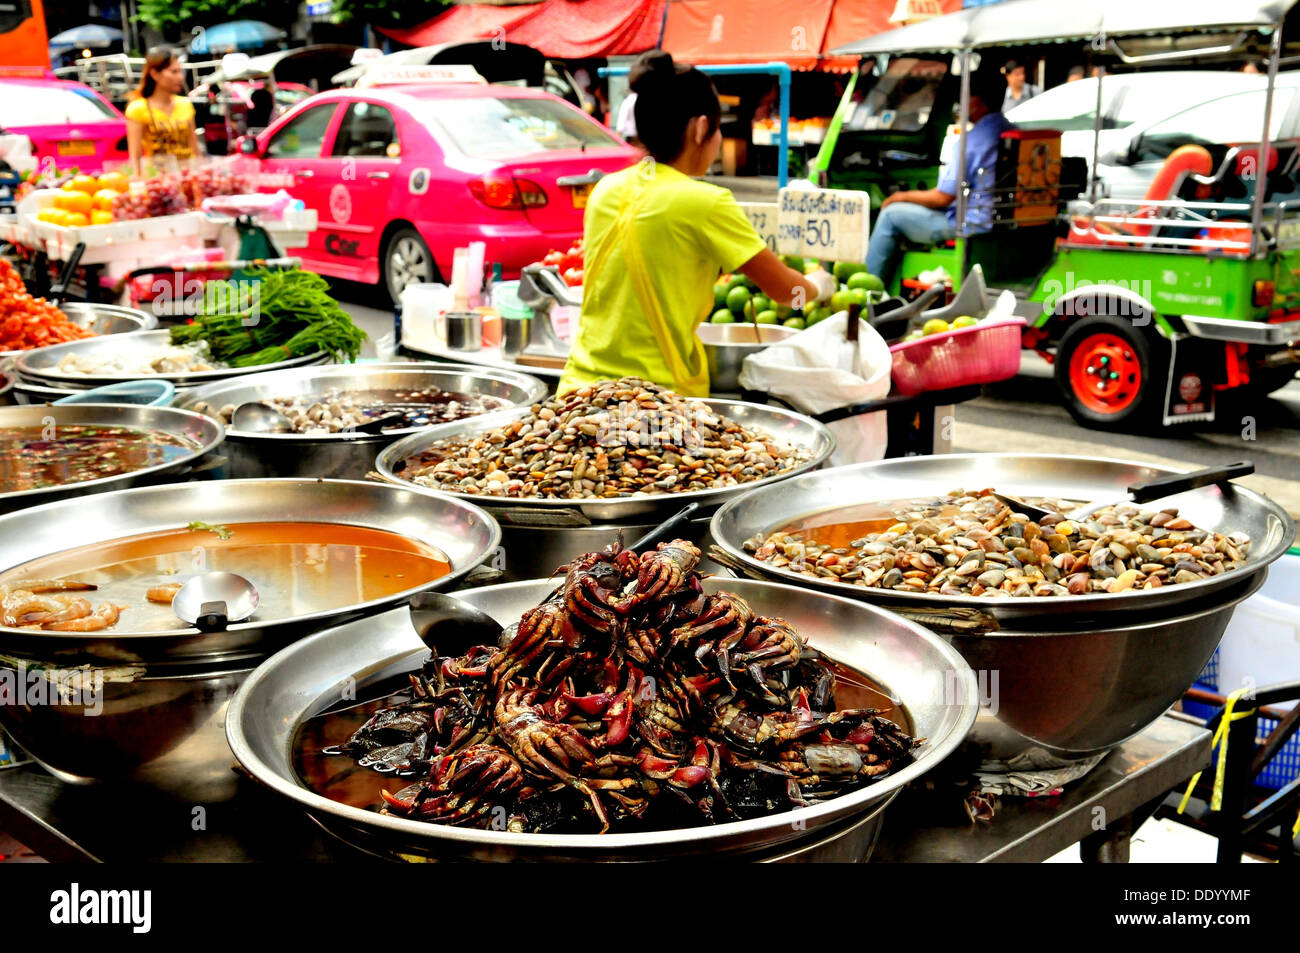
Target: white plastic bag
(818,370)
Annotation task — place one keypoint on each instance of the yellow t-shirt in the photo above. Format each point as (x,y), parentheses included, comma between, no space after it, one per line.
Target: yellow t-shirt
(687,232)
(165,133)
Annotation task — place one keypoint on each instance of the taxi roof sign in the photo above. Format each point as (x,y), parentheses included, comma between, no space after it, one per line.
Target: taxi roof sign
(394,75)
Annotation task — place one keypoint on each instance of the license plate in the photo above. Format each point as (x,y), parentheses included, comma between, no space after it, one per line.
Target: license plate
(76,147)
(580,194)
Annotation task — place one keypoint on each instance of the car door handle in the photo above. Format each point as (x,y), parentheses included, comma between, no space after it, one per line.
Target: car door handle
(591,178)
(304,173)
(377,175)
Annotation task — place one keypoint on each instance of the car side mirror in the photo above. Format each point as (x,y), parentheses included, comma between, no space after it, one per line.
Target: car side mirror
(248,146)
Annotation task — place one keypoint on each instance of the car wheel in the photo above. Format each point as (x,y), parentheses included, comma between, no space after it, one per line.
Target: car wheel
(407,261)
(1111,374)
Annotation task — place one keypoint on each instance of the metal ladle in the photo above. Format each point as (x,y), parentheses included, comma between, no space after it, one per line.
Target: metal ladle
(453,626)
(215,600)
(258,417)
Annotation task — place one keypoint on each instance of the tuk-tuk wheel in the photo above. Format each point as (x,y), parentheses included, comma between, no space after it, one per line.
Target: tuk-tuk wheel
(1111,374)
(406,261)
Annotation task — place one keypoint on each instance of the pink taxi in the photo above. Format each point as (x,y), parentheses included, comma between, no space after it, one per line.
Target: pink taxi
(67,122)
(401,175)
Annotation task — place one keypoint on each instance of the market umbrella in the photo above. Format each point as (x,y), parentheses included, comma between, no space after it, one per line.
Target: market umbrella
(87,36)
(234,35)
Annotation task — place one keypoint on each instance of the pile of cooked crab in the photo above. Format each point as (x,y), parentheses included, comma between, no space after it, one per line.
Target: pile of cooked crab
(630,700)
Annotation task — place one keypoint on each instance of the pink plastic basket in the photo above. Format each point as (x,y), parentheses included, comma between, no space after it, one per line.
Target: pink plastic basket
(986,352)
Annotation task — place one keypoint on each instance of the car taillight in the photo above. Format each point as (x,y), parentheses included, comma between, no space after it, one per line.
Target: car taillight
(505,192)
(533,195)
(1262,295)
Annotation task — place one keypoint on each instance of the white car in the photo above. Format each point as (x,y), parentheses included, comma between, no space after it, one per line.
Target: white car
(1145,116)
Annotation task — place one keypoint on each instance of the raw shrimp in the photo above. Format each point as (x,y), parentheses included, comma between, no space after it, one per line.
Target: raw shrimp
(163,594)
(101,618)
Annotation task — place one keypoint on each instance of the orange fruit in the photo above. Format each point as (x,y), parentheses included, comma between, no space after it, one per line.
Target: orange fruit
(115,181)
(104,199)
(83,183)
(75,219)
(50,215)
(101,217)
(79,202)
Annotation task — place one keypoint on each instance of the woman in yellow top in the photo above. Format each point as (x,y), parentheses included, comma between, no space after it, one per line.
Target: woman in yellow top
(656,240)
(160,121)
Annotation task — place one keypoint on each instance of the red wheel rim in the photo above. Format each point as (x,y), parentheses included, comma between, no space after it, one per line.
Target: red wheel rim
(1105,373)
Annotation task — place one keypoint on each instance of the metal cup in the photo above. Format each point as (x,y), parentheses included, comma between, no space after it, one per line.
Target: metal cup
(464,330)
(514,336)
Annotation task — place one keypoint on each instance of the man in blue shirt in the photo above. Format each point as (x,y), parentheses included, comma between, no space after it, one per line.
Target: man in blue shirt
(929,216)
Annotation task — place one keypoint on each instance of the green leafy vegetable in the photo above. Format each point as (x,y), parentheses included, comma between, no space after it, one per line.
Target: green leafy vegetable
(198,526)
(272,316)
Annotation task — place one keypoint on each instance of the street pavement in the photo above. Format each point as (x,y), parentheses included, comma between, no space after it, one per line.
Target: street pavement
(1025,414)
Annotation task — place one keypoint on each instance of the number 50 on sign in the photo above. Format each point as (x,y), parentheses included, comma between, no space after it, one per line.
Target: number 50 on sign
(828,224)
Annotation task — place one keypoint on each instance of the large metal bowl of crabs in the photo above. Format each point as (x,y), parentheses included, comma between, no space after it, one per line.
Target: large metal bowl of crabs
(340,416)
(681,716)
(86,590)
(619,454)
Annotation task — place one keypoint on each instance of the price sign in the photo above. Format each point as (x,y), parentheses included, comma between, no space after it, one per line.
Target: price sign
(762,215)
(827,224)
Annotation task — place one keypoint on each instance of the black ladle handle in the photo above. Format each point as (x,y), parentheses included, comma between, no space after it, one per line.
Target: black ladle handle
(666,530)
(1161,487)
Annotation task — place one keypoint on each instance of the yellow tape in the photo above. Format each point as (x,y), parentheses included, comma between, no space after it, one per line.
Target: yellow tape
(1220,740)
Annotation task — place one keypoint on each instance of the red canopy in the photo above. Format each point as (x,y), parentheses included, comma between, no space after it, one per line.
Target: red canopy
(747,31)
(565,29)
(856,19)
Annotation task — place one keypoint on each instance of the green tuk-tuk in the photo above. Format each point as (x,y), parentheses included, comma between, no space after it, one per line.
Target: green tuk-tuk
(1150,308)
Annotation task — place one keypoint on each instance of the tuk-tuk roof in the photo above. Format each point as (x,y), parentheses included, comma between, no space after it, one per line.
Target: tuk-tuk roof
(1047,21)
(321,60)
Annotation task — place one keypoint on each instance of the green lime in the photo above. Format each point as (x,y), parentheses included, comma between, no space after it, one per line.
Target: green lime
(934,326)
(720,295)
(841,300)
(722,316)
(796,324)
(865,281)
(767,316)
(915,335)
(795,262)
(737,298)
(857,296)
(735,281)
(762,302)
(843,270)
(783,312)
(965,321)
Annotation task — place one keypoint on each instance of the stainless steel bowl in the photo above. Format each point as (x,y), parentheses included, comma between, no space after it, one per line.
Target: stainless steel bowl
(103,319)
(40,367)
(1228,510)
(532,552)
(937,689)
(1076,693)
(203,431)
(463,532)
(6,387)
(727,345)
(342,455)
(128,722)
(784,425)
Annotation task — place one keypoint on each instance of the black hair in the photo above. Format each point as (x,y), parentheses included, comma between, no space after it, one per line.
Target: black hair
(990,86)
(668,96)
(1010,65)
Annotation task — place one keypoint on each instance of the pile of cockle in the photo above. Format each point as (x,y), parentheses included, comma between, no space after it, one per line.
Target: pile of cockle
(973,544)
(632,700)
(604,440)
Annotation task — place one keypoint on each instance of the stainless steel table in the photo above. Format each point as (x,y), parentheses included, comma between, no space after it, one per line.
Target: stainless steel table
(227,817)
(927,824)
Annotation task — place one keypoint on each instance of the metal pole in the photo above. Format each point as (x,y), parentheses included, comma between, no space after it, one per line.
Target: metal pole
(1096,138)
(1261,169)
(963,116)
(783,143)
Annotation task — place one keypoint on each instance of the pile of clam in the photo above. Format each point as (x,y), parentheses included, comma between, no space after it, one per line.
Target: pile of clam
(610,439)
(974,545)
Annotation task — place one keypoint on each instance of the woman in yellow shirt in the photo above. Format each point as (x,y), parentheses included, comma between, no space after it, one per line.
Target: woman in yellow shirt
(160,121)
(656,240)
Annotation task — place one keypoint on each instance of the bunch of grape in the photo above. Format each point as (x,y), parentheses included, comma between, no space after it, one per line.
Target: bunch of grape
(156,197)
(209,181)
